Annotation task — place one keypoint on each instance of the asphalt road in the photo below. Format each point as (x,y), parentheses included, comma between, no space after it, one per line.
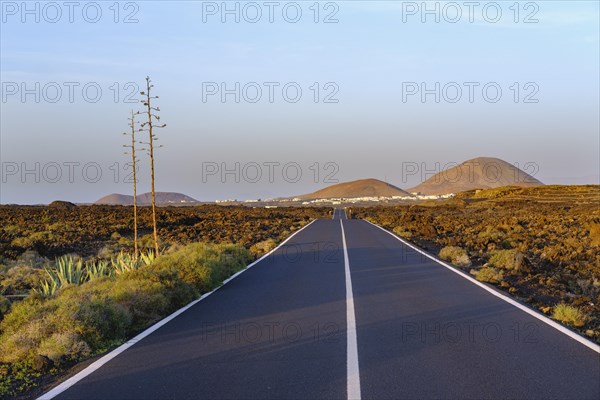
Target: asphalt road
(284,329)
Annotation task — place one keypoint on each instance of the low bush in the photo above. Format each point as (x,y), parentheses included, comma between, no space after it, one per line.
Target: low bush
(78,321)
(455,255)
(203,266)
(511,260)
(569,315)
(488,274)
(145,300)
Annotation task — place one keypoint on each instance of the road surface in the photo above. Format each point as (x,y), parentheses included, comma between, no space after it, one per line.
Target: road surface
(345,310)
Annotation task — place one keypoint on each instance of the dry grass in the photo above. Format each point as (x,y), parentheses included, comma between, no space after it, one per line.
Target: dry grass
(488,274)
(569,315)
(455,255)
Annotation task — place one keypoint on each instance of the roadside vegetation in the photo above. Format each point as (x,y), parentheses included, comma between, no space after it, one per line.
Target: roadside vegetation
(456,255)
(542,245)
(63,301)
(569,315)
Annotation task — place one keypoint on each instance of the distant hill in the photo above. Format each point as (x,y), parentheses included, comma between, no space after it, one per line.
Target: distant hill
(166,198)
(62,204)
(354,189)
(116,199)
(478,173)
(145,198)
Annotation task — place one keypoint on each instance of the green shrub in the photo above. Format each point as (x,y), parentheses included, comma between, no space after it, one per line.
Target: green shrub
(186,265)
(146,301)
(22,330)
(569,315)
(226,260)
(511,260)
(77,321)
(177,292)
(63,346)
(203,266)
(101,321)
(455,255)
(488,274)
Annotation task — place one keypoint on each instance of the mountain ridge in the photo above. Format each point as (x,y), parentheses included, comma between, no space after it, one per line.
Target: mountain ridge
(354,189)
(145,199)
(476,173)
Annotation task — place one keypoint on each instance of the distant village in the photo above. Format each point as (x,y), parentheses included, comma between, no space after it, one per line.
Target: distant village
(337,200)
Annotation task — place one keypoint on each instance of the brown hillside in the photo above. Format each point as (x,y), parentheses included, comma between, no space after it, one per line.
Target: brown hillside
(478,173)
(354,189)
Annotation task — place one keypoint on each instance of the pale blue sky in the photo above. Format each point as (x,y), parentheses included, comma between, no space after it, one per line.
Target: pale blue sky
(368,55)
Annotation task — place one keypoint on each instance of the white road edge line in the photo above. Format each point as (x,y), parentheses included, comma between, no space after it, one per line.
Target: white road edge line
(106,358)
(533,313)
(353,371)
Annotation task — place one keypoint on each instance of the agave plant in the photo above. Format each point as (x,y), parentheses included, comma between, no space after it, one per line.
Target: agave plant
(124,262)
(148,258)
(98,269)
(47,288)
(67,270)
